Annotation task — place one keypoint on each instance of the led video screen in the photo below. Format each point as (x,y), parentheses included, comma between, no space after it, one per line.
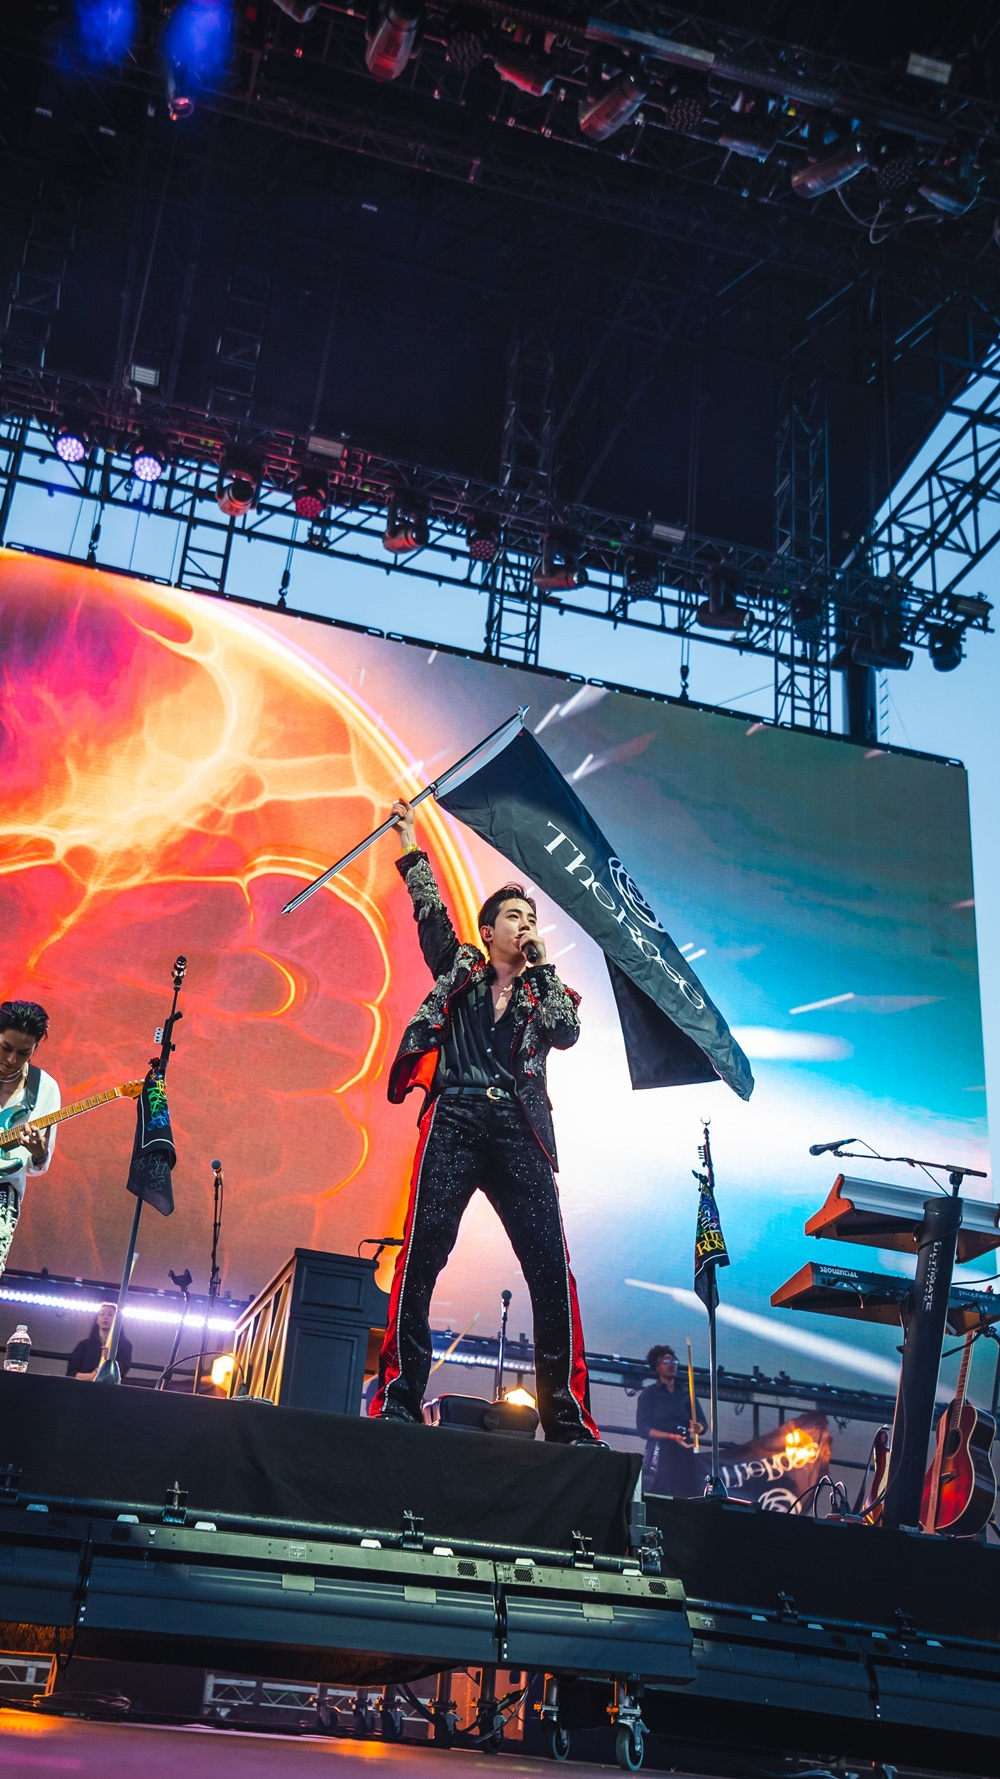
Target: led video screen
(175,768)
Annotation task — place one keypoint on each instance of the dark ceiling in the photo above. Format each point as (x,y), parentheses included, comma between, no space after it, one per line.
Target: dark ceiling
(313,250)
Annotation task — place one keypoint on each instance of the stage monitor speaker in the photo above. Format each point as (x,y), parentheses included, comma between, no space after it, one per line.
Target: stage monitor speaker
(474,1414)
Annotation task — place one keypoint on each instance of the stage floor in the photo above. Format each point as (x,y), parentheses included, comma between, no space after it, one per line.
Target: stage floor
(32,1746)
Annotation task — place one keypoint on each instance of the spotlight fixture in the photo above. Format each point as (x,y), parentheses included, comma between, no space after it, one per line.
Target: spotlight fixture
(806,613)
(72,440)
(642,576)
(834,170)
(468,41)
(894,166)
(682,107)
(148,460)
(880,646)
(394,28)
(405,528)
(740,136)
(238,487)
(952,196)
(946,649)
(612,101)
(483,537)
(180,93)
(720,611)
(559,569)
(311,498)
(522,68)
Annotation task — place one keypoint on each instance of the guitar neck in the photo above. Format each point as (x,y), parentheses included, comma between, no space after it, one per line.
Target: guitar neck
(10,1138)
(963,1378)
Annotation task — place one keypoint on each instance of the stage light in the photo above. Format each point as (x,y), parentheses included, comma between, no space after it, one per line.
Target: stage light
(946,649)
(894,165)
(405,529)
(311,498)
(952,196)
(238,486)
(520,1397)
(148,460)
(106,29)
(642,576)
(520,67)
(881,647)
(222,1369)
(834,170)
(970,605)
(484,538)
(739,136)
(682,106)
(72,440)
(559,570)
(720,610)
(392,37)
(468,41)
(55,1300)
(806,613)
(611,104)
(196,45)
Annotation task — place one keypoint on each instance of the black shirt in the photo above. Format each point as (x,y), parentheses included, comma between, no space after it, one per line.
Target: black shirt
(668,1468)
(477,1049)
(86,1355)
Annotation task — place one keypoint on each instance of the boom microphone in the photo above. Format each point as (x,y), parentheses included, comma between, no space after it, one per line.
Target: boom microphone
(825,1148)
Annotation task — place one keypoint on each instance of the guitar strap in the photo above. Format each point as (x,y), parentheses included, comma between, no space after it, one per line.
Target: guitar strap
(33,1082)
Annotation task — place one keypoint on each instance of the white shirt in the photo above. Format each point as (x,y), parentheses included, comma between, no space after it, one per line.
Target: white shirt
(49,1100)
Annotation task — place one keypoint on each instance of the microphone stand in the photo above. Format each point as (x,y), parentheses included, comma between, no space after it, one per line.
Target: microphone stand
(215,1276)
(505,1297)
(955,1172)
(183,1284)
(107,1372)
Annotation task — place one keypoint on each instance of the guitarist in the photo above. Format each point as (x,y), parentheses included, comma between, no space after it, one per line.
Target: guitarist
(24,1089)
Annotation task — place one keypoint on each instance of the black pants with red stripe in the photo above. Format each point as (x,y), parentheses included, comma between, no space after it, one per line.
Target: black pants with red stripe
(470,1144)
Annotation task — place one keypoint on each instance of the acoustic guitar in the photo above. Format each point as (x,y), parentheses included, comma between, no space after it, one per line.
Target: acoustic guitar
(960,1489)
(11,1137)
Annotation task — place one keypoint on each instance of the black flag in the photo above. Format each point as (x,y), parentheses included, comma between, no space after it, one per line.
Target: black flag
(153,1152)
(521,803)
(710,1251)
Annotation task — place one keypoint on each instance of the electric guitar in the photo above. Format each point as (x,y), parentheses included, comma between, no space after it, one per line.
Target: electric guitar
(13,1135)
(960,1489)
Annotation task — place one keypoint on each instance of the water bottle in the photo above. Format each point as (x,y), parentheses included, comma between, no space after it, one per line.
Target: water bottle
(18,1350)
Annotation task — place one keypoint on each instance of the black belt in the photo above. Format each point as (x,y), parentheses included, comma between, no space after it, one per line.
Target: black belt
(483,1093)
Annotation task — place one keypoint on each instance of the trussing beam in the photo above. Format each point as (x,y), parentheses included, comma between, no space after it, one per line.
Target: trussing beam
(947,520)
(202,541)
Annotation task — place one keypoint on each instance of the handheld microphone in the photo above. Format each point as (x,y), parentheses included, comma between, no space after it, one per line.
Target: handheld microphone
(531,952)
(825,1148)
(216,1167)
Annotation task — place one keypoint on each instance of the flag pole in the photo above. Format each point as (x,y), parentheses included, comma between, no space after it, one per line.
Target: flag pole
(716,1488)
(108,1372)
(429,790)
(706,1283)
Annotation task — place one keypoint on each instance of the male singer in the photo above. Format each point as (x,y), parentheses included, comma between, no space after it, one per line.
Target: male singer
(478,1047)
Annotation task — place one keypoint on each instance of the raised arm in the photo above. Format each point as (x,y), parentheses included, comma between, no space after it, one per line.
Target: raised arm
(438,939)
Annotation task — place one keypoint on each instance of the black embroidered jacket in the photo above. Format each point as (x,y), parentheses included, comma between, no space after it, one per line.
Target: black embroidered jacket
(544,1008)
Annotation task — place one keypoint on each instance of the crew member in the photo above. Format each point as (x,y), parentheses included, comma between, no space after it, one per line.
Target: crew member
(87,1354)
(667,1420)
(24,1089)
(478,1046)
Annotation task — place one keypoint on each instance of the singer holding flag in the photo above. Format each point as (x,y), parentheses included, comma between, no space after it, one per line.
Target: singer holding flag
(478,1047)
